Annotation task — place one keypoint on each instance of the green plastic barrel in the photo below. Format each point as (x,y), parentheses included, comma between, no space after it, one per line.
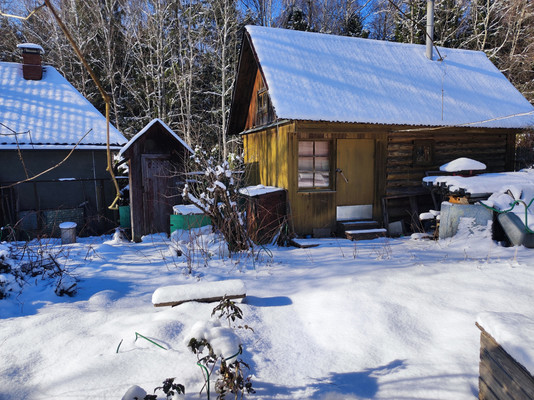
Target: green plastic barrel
(189,221)
(124,217)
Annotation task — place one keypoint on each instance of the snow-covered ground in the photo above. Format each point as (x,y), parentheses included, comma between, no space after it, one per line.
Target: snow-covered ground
(381,319)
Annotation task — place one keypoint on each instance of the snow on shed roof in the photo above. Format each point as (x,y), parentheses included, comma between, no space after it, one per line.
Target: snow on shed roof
(142,132)
(48,113)
(312,76)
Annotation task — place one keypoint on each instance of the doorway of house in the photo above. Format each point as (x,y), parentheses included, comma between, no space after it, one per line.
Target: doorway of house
(355,170)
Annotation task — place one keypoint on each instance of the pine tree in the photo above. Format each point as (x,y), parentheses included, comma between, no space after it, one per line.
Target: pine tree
(410,23)
(353,26)
(451,23)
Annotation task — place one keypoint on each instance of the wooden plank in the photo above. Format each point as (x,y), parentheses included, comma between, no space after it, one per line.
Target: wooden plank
(301,245)
(201,300)
(484,391)
(313,210)
(501,376)
(500,384)
(520,379)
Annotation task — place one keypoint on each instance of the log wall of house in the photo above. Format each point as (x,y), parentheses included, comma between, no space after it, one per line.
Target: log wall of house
(493,147)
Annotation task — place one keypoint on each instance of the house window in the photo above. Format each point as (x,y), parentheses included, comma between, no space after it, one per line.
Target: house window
(314,164)
(263,107)
(423,152)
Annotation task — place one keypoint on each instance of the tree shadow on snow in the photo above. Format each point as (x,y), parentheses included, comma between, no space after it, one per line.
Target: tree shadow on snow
(363,384)
(277,301)
(31,301)
(340,386)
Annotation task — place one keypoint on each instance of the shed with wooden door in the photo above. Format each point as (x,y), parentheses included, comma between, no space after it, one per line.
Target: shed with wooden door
(156,160)
(350,126)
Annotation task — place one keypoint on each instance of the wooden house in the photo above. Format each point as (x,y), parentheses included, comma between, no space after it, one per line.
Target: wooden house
(350,126)
(156,160)
(43,119)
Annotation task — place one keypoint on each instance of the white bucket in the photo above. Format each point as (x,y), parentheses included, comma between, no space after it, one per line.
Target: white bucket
(68,232)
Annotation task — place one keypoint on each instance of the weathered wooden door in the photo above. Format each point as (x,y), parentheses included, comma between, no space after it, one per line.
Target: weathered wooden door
(355,170)
(159,193)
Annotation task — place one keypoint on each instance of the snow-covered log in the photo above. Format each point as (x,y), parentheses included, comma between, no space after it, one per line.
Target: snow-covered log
(203,292)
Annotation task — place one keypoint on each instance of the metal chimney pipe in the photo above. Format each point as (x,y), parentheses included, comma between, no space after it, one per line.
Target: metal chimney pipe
(429,28)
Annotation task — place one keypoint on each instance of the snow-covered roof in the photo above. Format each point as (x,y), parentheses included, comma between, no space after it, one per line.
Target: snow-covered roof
(48,113)
(143,131)
(319,77)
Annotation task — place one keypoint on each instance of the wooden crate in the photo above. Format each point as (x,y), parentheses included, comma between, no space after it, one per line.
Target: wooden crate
(501,376)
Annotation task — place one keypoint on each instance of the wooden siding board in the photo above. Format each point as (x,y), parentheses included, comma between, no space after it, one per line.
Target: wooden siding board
(269,148)
(484,391)
(253,102)
(498,382)
(247,70)
(314,210)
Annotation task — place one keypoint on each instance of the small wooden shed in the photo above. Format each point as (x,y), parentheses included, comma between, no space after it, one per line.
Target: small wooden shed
(156,159)
(350,126)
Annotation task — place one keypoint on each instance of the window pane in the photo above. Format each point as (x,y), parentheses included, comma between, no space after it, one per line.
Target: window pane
(306,164)
(321,164)
(305,179)
(322,180)
(321,149)
(305,148)
(314,164)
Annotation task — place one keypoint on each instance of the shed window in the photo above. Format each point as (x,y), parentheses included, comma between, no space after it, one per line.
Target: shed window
(314,165)
(423,152)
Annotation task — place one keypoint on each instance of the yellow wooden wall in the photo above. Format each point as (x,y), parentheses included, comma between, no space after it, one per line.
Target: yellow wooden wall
(272,159)
(266,154)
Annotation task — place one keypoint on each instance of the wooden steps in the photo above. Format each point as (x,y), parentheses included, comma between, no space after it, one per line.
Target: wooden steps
(360,229)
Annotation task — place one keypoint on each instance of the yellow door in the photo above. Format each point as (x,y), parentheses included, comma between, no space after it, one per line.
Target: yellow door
(355,169)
